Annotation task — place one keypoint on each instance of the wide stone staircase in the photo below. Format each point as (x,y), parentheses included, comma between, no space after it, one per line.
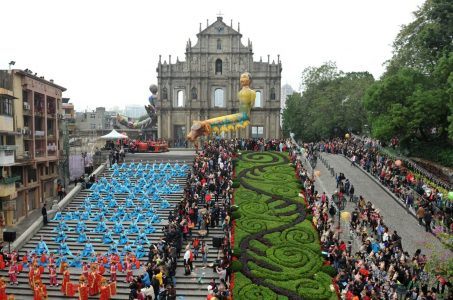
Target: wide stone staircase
(188,287)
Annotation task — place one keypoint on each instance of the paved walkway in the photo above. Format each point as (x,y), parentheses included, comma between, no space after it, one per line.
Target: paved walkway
(33,215)
(413,235)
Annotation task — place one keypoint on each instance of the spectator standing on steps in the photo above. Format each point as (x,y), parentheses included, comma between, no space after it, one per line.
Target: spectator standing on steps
(428,218)
(44,214)
(420,214)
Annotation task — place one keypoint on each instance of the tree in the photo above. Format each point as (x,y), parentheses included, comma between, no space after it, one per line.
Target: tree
(331,103)
(420,44)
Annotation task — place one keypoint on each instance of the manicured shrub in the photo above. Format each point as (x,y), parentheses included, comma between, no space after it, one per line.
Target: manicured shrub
(236,266)
(235,215)
(237,252)
(329,270)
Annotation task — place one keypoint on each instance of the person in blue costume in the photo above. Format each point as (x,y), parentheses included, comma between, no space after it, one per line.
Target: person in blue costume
(112,203)
(101,227)
(140,252)
(82,237)
(61,259)
(127,217)
(93,258)
(95,196)
(113,249)
(63,249)
(155,219)
(76,215)
(146,203)
(68,216)
(127,248)
(133,228)
(129,203)
(80,226)
(149,228)
(61,236)
(116,172)
(41,247)
(164,204)
(141,217)
(88,250)
(85,216)
(58,216)
(115,216)
(146,280)
(61,226)
(141,239)
(76,262)
(123,239)
(118,227)
(100,204)
(107,238)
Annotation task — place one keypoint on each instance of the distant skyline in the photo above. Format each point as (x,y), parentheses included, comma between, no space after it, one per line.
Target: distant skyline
(106,52)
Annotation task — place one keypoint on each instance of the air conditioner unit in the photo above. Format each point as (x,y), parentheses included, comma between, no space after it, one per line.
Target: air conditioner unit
(19,130)
(26,106)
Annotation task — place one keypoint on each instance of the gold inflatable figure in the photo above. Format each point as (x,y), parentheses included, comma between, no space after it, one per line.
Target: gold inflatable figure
(231,122)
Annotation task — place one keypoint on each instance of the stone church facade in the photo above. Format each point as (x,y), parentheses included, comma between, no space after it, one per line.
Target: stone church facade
(206,84)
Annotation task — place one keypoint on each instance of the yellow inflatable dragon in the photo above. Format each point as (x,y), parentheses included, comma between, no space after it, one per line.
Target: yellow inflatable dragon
(231,122)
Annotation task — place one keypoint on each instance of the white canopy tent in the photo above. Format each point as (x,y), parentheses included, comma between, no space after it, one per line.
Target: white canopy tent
(114,135)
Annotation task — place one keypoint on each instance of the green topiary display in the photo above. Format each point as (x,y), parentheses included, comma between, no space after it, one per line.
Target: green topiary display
(275,242)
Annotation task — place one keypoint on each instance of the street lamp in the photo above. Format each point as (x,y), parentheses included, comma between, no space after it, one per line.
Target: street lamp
(11,63)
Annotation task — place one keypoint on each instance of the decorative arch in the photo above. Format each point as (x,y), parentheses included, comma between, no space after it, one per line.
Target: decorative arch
(218,66)
(219,98)
(164,94)
(180,98)
(194,93)
(258,99)
(273,96)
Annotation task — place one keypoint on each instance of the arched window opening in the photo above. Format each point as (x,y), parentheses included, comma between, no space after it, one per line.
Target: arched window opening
(164,93)
(218,66)
(180,99)
(219,98)
(258,100)
(194,93)
(219,44)
(273,94)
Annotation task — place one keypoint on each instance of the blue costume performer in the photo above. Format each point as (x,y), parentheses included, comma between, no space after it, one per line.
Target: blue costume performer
(107,238)
(88,250)
(118,227)
(41,247)
(82,237)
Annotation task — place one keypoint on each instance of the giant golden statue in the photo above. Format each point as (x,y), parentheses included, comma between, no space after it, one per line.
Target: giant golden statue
(231,122)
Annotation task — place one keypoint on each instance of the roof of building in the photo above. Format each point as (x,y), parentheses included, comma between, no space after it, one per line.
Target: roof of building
(28,74)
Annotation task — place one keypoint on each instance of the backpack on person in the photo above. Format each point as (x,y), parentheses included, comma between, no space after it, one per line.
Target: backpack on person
(187,269)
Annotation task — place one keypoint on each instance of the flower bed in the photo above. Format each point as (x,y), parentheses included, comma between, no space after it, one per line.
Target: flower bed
(278,251)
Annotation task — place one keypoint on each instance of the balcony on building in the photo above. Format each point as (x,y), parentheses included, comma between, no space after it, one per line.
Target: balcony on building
(8,186)
(7,155)
(6,111)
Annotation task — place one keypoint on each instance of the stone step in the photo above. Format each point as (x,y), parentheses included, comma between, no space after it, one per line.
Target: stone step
(187,286)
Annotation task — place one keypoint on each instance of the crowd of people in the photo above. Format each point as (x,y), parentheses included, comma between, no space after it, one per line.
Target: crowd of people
(205,205)
(431,207)
(379,268)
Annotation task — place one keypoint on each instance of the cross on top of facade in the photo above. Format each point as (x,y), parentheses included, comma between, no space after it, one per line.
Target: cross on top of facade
(219,14)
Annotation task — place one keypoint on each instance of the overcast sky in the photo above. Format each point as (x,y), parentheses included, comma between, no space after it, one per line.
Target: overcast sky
(106,52)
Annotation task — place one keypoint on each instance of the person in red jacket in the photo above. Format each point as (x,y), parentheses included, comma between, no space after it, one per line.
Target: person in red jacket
(12,272)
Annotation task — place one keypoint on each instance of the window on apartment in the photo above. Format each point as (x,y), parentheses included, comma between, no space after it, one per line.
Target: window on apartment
(93,126)
(6,106)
